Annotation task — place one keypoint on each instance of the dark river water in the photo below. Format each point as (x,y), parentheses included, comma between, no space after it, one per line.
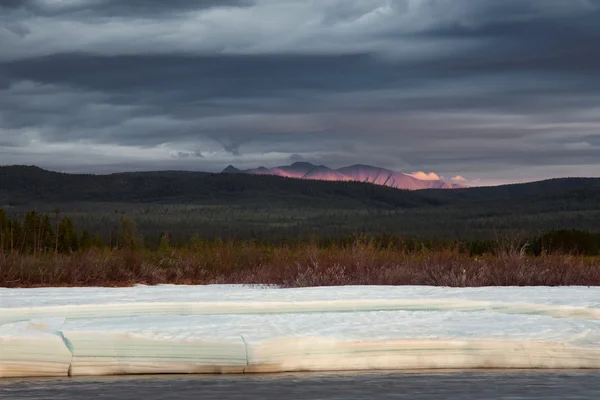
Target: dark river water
(415,386)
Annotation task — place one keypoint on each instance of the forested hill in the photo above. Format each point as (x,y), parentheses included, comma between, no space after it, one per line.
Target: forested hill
(22,185)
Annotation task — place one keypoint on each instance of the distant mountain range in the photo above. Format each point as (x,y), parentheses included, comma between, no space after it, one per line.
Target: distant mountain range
(267,207)
(357,173)
(29,185)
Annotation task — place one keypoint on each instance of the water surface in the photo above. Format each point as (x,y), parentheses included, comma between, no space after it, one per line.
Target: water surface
(466,385)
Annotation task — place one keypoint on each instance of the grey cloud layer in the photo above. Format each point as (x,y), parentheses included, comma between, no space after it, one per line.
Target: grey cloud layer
(480,89)
(114,8)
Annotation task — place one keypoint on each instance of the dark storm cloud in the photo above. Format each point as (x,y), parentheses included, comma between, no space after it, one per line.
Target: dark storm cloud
(457,87)
(188,87)
(208,75)
(14,3)
(515,42)
(117,8)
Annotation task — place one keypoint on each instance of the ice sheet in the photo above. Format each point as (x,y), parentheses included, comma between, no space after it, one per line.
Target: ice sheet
(196,329)
(582,296)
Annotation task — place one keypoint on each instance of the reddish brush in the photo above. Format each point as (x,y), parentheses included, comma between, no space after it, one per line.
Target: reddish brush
(297,266)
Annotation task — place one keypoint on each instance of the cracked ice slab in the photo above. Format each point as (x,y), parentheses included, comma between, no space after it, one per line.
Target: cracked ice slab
(207,329)
(112,353)
(33,348)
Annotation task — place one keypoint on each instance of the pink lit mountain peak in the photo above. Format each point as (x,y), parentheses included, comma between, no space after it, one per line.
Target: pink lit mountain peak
(358,172)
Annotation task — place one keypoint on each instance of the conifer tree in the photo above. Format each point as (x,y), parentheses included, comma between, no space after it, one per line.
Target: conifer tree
(31,224)
(85,241)
(47,236)
(16,233)
(129,238)
(67,236)
(4,232)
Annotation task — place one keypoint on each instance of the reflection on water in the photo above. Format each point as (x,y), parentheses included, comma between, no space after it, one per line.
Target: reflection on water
(465,385)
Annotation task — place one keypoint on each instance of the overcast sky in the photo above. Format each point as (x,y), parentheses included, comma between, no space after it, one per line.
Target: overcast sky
(492,90)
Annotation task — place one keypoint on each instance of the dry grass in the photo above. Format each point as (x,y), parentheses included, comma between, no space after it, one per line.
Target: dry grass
(299,266)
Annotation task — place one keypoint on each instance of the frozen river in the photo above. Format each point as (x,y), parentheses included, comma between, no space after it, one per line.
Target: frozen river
(59,332)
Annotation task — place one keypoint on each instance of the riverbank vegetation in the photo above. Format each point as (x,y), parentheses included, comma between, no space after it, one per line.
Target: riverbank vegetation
(49,250)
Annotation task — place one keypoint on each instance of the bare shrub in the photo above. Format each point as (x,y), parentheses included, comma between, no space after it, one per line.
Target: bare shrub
(360,263)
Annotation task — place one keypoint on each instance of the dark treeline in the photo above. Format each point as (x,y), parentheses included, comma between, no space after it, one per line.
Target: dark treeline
(43,233)
(36,234)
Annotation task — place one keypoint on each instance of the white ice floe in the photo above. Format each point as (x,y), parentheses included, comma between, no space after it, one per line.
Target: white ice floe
(33,348)
(207,329)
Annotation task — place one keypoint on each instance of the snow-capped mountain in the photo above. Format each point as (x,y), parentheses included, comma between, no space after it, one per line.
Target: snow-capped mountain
(360,173)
